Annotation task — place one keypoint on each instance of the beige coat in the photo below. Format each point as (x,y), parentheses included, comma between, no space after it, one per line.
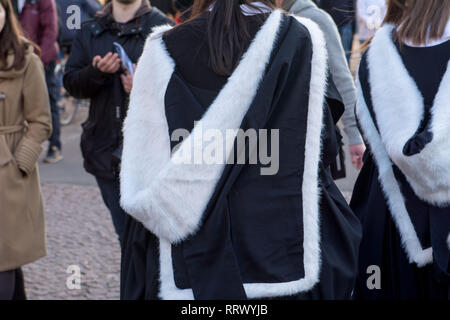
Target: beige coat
(25,123)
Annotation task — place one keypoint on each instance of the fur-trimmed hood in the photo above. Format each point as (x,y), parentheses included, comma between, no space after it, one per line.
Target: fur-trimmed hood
(399,108)
(395,114)
(172,199)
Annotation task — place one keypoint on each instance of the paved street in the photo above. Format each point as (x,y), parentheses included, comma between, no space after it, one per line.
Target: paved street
(79,233)
(79,230)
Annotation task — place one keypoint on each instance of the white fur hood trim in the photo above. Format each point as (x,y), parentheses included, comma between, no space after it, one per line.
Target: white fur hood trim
(399,109)
(394,197)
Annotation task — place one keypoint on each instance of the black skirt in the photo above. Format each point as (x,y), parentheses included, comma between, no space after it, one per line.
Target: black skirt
(381,244)
(340,233)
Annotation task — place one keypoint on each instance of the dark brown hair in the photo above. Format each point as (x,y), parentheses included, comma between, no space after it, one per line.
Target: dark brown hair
(227,31)
(11,39)
(418,20)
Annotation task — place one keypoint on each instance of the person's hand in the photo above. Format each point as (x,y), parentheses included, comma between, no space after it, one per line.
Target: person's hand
(110,63)
(356,154)
(127,80)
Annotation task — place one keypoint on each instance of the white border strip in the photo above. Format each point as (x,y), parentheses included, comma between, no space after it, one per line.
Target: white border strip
(146,115)
(392,192)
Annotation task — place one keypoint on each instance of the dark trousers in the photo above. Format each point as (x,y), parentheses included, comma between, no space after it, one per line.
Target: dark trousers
(53,94)
(12,285)
(110,190)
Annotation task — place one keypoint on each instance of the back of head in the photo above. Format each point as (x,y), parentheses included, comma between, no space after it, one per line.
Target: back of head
(227,30)
(418,21)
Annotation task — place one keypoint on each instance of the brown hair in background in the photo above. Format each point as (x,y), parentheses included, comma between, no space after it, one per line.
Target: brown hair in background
(11,39)
(417,20)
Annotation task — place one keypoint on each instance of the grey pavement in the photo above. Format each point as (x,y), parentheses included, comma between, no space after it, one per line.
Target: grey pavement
(80,234)
(80,238)
(70,170)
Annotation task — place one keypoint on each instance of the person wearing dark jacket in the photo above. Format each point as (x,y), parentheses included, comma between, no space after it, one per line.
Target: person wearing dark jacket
(93,72)
(39,21)
(88,9)
(343,14)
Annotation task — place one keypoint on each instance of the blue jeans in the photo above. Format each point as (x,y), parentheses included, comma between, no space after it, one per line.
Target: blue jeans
(346,32)
(110,190)
(53,94)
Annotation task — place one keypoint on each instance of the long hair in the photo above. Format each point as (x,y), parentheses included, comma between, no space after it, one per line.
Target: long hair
(227,30)
(416,20)
(11,39)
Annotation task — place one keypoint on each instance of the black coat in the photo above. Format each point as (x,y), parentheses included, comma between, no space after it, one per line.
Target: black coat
(102,130)
(227,231)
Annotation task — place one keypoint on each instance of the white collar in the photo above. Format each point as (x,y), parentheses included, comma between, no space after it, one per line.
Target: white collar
(256,7)
(399,108)
(434,42)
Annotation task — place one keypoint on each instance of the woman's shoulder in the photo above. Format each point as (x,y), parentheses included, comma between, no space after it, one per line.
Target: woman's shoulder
(306,29)
(33,63)
(186,34)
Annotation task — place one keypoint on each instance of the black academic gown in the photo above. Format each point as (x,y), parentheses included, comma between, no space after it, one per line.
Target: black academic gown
(406,271)
(195,232)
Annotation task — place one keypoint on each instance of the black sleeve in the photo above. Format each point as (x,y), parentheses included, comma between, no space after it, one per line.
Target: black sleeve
(158,18)
(334,100)
(81,79)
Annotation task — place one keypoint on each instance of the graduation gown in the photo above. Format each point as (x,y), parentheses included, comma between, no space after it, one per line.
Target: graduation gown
(224,230)
(402,194)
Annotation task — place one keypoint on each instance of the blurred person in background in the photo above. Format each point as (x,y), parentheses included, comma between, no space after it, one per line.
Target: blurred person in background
(88,9)
(339,70)
(402,194)
(370,15)
(25,123)
(343,14)
(39,20)
(67,31)
(94,71)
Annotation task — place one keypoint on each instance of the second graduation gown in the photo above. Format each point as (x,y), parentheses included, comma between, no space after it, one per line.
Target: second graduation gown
(225,231)
(402,194)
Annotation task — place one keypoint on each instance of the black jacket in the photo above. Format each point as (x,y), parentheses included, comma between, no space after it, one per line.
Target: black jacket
(88,8)
(102,130)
